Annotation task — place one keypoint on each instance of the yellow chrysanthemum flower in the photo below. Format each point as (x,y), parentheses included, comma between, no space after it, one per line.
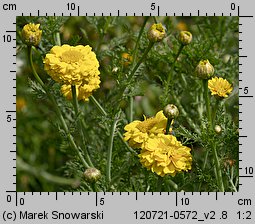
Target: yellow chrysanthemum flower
(20,104)
(165,155)
(126,59)
(31,34)
(83,92)
(181,26)
(72,65)
(138,132)
(220,87)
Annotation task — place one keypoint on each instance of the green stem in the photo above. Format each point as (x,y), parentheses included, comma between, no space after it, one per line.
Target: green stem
(218,169)
(215,108)
(59,114)
(57,39)
(169,121)
(75,101)
(159,184)
(103,112)
(214,149)
(174,185)
(203,167)
(131,107)
(97,104)
(185,114)
(169,78)
(39,173)
(109,153)
(207,102)
(139,37)
(231,178)
(131,100)
(30,57)
(155,19)
(80,124)
(140,61)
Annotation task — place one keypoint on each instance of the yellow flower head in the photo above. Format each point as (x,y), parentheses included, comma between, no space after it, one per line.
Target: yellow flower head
(83,92)
(156,32)
(165,155)
(31,34)
(220,87)
(72,65)
(181,26)
(127,59)
(20,104)
(138,132)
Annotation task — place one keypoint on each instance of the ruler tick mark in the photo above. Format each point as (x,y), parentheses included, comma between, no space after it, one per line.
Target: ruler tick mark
(246,16)
(246,96)
(96,198)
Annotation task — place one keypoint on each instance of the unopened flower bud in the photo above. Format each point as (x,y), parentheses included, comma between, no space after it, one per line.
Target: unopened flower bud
(156,33)
(204,69)
(92,174)
(217,129)
(171,111)
(31,34)
(185,37)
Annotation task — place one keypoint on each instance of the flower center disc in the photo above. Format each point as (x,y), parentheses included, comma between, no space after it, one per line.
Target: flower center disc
(71,56)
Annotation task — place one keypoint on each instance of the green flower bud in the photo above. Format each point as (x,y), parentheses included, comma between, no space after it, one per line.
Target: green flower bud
(185,37)
(204,69)
(217,129)
(171,111)
(92,175)
(156,33)
(31,34)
